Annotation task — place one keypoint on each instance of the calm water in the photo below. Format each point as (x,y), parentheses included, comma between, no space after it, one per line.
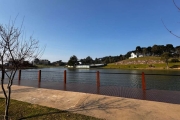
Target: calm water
(109,77)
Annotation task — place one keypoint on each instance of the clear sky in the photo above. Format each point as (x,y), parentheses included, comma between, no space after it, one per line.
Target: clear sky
(95,28)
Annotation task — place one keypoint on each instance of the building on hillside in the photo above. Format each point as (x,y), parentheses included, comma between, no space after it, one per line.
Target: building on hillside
(133,55)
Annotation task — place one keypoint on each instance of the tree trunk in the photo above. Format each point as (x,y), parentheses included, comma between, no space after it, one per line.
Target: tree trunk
(167,65)
(7,103)
(6,97)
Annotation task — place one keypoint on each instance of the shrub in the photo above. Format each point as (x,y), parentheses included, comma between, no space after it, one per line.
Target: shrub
(174,60)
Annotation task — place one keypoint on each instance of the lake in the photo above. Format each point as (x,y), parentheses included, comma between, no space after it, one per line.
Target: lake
(155,79)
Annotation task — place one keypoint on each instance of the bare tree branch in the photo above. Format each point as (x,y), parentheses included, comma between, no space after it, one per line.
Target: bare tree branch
(169,30)
(176,5)
(14,48)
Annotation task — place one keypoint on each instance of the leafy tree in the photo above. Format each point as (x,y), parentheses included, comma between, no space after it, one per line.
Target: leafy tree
(144,51)
(121,57)
(128,54)
(157,49)
(73,60)
(83,61)
(36,61)
(177,50)
(169,48)
(149,50)
(138,50)
(97,61)
(165,56)
(14,48)
(89,60)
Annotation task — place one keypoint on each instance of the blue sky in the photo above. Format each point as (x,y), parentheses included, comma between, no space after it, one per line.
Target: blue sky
(95,28)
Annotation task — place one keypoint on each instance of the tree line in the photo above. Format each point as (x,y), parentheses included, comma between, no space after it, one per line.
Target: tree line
(155,50)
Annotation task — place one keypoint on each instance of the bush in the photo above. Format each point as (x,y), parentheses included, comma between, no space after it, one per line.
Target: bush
(174,60)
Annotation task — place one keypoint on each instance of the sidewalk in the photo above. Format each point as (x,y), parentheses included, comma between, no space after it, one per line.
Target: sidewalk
(100,106)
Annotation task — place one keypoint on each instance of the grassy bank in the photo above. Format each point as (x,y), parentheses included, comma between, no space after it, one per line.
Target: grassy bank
(143,66)
(47,66)
(22,110)
(143,63)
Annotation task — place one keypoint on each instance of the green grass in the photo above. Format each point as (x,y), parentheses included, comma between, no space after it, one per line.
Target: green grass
(144,58)
(22,110)
(143,66)
(47,66)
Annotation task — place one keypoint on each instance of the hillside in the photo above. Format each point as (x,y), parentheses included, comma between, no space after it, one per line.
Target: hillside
(141,60)
(143,63)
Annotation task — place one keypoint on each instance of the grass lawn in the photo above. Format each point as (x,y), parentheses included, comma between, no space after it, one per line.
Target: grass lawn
(26,111)
(171,65)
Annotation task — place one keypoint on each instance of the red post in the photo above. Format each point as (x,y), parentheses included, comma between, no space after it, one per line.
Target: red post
(64,76)
(19,77)
(143,82)
(98,79)
(39,76)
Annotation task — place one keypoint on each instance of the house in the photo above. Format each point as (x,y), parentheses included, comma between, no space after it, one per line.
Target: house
(133,55)
(140,56)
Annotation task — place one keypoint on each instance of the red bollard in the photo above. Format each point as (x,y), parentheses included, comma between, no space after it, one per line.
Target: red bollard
(64,76)
(98,79)
(143,82)
(19,77)
(39,76)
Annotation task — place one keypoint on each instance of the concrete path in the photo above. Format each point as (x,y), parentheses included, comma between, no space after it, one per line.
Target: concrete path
(100,106)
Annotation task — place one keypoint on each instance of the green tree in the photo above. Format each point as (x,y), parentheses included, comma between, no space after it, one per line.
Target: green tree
(121,57)
(73,60)
(144,51)
(97,61)
(36,61)
(169,48)
(138,50)
(149,50)
(177,50)
(128,54)
(157,50)
(165,57)
(89,60)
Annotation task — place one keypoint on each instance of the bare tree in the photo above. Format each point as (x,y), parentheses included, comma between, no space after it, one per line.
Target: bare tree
(167,27)
(14,48)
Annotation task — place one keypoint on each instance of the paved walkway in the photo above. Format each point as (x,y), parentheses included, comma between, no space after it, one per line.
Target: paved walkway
(100,106)
(127,92)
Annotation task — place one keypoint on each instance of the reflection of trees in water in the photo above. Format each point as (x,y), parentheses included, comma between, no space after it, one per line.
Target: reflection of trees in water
(108,77)
(162,82)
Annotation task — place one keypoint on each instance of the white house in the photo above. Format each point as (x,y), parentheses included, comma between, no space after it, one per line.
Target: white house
(133,55)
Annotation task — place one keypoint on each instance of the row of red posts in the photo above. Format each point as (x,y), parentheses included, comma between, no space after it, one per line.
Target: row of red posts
(97,78)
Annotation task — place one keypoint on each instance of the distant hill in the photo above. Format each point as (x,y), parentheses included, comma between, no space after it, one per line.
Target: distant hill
(143,63)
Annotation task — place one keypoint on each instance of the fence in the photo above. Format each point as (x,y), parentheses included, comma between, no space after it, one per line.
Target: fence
(105,78)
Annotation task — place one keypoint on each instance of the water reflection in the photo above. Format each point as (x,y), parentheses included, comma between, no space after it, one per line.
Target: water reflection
(108,77)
